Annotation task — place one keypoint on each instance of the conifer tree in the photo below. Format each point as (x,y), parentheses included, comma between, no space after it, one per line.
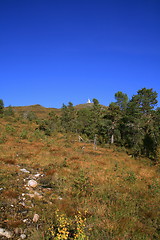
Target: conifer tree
(1,106)
(138,125)
(121,100)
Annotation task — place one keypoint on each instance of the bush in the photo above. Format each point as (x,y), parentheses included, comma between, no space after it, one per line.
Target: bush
(9,111)
(9,129)
(23,134)
(64,228)
(1,106)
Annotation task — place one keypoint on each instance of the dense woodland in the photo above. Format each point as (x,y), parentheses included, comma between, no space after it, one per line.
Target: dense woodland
(132,124)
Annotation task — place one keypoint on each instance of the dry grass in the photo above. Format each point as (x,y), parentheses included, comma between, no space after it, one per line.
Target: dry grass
(10,194)
(50,172)
(12,223)
(8,161)
(121,194)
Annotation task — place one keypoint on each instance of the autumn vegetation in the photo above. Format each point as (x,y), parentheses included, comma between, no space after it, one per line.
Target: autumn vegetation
(99,169)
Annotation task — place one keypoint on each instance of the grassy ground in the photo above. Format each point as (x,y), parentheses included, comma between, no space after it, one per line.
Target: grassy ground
(115,196)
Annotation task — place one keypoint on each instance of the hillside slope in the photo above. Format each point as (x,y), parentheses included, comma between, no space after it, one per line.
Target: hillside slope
(105,192)
(42,112)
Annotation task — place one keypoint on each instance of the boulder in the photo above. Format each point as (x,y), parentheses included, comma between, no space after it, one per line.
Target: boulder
(5,233)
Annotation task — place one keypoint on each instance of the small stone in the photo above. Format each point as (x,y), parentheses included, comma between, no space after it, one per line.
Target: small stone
(38,195)
(5,233)
(24,170)
(31,195)
(18,231)
(25,220)
(25,231)
(22,203)
(60,198)
(23,236)
(35,195)
(35,217)
(24,213)
(32,183)
(37,175)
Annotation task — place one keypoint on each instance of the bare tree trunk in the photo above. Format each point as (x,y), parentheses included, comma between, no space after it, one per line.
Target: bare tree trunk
(95,142)
(80,139)
(112,137)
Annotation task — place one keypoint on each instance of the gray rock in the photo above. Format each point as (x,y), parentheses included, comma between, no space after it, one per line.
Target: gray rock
(35,217)
(22,203)
(23,236)
(32,183)
(37,175)
(5,233)
(25,220)
(24,170)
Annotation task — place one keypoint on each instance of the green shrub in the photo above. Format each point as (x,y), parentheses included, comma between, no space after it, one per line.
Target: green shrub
(130,177)
(2,139)
(82,185)
(9,111)
(24,134)
(10,130)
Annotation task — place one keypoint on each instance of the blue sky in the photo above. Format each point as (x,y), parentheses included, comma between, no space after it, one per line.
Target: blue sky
(56,51)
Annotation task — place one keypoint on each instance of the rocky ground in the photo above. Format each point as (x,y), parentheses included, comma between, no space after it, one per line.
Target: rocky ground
(18,206)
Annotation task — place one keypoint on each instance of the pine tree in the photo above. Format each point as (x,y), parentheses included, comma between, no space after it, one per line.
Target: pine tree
(1,106)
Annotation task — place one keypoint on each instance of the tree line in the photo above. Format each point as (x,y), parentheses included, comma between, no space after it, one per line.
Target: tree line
(133,124)
(130,123)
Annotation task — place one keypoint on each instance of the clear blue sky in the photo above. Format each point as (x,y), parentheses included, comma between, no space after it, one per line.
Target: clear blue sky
(56,51)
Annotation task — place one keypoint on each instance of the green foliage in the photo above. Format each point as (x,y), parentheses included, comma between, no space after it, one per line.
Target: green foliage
(95,102)
(145,100)
(68,118)
(122,100)
(131,177)
(65,229)
(82,185)
(36,135)
(84,121)
(121,194)
(9,111)
(133,124)
(139,126)
(154,187)
(1,106)
(24,134)
(48,126)
(31,116)
(44,126)
(10,129)
(3,138)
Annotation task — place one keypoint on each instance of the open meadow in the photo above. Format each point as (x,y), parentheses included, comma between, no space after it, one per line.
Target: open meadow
(79,192)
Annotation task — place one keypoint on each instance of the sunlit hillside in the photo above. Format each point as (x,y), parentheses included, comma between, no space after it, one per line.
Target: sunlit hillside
(79,191)
(40,111)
